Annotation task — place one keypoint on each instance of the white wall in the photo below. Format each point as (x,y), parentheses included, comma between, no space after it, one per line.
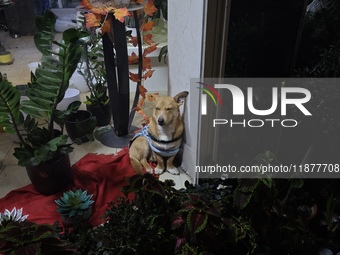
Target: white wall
(185,42)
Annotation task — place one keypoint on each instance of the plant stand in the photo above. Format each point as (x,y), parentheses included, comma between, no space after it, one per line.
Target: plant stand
(117,71)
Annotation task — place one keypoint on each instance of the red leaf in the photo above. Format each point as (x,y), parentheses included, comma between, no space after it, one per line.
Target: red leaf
(150,49)
(198,221)
(106,27)
(148,39)
(149,8)
(179,242)
(121,13)
(86,3)
(146,63)
(142,90)
(140,103)
(148,26)
(133,59)
(151,97)
(140,111)
(148,74)
(134,77)
(176,223)
(92,20)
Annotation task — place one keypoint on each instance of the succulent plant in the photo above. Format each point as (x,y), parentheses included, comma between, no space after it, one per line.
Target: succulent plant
(72,204)
(14,215)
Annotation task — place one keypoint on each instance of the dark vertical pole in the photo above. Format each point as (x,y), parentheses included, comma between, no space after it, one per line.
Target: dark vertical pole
(122,112)
(117,71)
(110,67)
(140,68)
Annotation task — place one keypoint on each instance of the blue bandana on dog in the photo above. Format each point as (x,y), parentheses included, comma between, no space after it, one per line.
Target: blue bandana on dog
(163,152)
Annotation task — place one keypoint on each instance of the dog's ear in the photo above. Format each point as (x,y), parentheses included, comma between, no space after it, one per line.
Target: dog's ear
(179,98)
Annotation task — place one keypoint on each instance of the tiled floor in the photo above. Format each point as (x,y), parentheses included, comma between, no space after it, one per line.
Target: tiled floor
(23,52)
(13,176)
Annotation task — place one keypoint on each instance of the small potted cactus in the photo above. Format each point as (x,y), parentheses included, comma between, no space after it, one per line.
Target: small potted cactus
(74,207)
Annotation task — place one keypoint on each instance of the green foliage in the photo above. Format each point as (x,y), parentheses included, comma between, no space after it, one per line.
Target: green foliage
(291,237)
(332,202)
(133,228)
(32,239)
(10,117)
(247,189)
(162,7)
(40,147)
(319,51)
(92,68)
(201,226)
(52,78)
(61,116)
(72,204)
(141,225)
(273,216)
(163,53)
(160,219)
(45,90)
(148,185)
(98,95)
(155,218)
(44,37)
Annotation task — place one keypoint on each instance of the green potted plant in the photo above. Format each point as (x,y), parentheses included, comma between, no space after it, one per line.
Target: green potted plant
(74,207)
(80,125)
(92,68)
(42,152)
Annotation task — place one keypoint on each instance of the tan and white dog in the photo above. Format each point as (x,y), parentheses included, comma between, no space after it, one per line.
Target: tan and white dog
(161,138)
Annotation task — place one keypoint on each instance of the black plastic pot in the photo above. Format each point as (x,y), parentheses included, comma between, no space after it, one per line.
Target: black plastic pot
(51,177)
(71,221)
(102,113)
(78,125)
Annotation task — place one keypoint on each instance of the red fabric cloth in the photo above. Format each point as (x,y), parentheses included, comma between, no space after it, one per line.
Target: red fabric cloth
(100,175)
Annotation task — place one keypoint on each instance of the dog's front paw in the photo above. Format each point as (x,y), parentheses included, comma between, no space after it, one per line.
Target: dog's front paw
(158,170)
(173,170)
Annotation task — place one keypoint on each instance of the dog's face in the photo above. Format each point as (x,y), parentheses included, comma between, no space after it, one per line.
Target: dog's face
(166,109)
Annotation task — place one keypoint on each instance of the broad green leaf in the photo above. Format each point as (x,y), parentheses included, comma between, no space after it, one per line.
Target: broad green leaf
(10,103)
